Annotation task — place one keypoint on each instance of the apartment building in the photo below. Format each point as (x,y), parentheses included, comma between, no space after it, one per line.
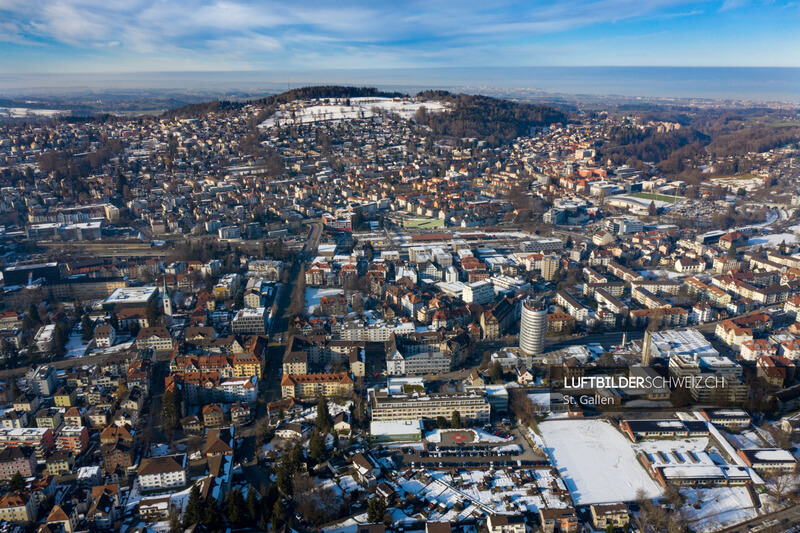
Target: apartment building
(614,515)
(40,439)
(558,520)
(572,306)
(17,507)
(312,386)
(73,438)
(17,460)
(208,387)
(242,364)
(432,362)
(162,473)
(504,523)
(155,338)
(411,404)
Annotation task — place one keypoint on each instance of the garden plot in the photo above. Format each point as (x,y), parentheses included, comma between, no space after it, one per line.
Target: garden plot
(597,463)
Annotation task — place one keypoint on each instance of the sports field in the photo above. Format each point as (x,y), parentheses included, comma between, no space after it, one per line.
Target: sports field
(657,197)
(423,223)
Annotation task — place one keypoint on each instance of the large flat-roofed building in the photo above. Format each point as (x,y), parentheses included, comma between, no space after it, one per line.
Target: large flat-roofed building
(82,288)
(480,293)
(23,274)
(686,343)
(130,297)
(406,399)
(395,430)
(769,460)
(250,320)
(542,245)
(709,378)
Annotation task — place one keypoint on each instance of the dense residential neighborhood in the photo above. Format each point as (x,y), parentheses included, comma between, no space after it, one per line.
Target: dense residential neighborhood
(319,312)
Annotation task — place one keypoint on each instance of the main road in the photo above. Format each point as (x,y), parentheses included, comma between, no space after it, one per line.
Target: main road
(778,521)
(280,323)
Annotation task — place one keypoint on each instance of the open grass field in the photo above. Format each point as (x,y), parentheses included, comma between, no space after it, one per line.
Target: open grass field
(423,223)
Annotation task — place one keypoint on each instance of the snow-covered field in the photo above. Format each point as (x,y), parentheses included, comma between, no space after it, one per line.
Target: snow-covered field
(501,491)
(597,463)
(75,346)
(773,241)
(642,202)
(358,108)
(661,274)
(309,415)
(21,112)
(712,509)
(313,296)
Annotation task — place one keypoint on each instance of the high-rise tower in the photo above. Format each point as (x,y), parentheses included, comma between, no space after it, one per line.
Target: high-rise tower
(533,327)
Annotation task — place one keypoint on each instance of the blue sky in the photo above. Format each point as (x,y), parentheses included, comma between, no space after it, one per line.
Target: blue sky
(43,36)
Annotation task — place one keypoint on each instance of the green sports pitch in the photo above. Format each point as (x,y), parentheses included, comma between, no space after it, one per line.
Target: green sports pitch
(656,197)
(423,223)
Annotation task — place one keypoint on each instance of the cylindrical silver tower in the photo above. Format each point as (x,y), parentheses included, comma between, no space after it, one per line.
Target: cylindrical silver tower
(533,327)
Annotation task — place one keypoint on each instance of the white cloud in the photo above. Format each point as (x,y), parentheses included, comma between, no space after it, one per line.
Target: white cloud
(315,34)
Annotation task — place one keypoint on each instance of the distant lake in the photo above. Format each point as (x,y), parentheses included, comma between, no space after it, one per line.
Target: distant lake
(740,83)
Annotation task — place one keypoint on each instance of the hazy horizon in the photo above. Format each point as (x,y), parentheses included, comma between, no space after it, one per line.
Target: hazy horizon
(733,83)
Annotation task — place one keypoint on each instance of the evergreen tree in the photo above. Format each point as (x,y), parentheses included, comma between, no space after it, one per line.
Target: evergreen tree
(194,508)
(211,513)
(278,514)
(253,505)
(316,447)
(497,372)
(151,314)
(60,340)
(455,420)
(324,419)
(283,479)
(16,483)
(87,328)
(235,508)
(376,509)
(171,409)
(33,313)
(114,321)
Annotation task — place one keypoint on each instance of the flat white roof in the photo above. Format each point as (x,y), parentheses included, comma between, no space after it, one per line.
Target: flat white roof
(131,294)
(395,427)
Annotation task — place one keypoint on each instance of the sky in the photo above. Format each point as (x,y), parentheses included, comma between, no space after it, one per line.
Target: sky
(102,36)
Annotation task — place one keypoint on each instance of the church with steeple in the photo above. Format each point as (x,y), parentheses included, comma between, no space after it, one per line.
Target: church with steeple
(167,303)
